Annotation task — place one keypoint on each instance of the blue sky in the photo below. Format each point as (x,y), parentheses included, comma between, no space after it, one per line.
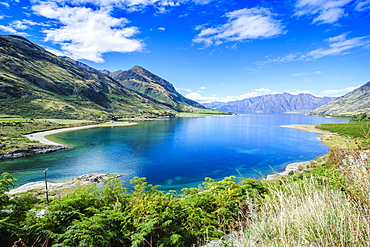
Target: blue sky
(210,50)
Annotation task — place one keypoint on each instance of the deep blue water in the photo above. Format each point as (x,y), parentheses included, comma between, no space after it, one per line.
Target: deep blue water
(178,152)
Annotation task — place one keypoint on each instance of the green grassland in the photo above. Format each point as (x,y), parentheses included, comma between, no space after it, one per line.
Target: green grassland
(12,131)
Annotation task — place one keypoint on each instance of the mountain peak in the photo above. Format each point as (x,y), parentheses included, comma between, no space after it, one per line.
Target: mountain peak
(355,102)
(273,103)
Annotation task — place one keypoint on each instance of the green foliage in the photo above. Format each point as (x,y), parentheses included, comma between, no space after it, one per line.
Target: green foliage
(360,118)
(146,216)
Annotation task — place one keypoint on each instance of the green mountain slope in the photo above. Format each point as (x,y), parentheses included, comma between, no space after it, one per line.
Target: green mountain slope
(353,103)
(36,83)
(145,82)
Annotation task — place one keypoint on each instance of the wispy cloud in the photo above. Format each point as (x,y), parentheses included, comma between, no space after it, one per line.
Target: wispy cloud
(338,45)
(11,30)
(243,24)
(322,11)
(207,99)
(132,4)
(362,5)
(87,34)
(338,92)
(5,4)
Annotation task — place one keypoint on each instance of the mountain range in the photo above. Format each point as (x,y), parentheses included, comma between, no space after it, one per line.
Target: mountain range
(35,82)
(353,103)
(272,103)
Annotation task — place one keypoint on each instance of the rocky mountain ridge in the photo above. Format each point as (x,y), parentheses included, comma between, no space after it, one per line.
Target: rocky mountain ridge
(41,84)
(353,103)
(272,103)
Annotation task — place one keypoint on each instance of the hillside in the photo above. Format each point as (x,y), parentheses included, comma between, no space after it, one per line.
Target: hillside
(41,84)
(142,81)
(353,103)
(272,103)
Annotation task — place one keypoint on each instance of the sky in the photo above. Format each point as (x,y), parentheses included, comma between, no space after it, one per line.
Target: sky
(210,50)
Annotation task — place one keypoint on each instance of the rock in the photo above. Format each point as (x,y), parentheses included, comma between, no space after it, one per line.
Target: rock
(32,151)
(83,180)
(293,167)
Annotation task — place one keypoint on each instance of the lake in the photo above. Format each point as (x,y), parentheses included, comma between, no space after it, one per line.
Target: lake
(178,152)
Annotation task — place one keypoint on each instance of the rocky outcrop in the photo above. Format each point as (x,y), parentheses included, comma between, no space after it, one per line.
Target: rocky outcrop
(273,103)
(83,180)
(32,151)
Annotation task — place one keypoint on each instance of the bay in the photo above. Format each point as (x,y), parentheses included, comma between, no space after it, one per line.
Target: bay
(178,152)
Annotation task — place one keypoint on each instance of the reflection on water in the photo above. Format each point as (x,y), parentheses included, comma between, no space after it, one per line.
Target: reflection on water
(178,152)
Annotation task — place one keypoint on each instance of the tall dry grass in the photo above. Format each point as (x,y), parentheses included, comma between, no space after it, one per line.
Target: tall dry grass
(308,212)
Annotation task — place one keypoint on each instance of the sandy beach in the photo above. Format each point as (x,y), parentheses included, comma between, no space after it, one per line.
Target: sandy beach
(41,136)
(330,139)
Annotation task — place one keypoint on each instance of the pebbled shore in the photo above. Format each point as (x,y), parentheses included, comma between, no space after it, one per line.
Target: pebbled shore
(56,189)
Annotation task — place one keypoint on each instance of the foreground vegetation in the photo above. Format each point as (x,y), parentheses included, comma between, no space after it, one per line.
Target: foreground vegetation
(327,204)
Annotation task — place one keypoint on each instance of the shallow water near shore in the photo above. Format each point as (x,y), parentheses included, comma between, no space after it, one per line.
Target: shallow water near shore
(178,152)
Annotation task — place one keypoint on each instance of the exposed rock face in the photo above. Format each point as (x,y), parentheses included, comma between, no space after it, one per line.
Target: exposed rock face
(32,151)
(353,103)
(273,103)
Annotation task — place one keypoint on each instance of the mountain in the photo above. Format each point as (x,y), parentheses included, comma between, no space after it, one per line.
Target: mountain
(142,81)
(272,103)
(353,103)
(36,83)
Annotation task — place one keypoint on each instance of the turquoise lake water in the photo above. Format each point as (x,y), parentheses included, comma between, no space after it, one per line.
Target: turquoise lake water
(178,152)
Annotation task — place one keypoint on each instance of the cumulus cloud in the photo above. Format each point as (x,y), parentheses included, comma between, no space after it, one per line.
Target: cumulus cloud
(85,33)
(207,99)
(338,45)
(323,11)
(243,24)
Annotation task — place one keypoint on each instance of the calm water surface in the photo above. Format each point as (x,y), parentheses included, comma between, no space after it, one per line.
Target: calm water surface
(178,152)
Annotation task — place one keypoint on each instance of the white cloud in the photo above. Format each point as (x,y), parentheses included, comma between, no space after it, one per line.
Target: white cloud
(87,34)
(324,11)
(24,24)
(299,74)
(243,24)
(184,89)
(206,99)
(11,30)
(133,4)
(161,28)
(5,4)
(338,92)
(338,45)
(362,5)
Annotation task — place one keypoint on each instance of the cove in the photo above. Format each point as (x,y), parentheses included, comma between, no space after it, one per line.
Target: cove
(178,152)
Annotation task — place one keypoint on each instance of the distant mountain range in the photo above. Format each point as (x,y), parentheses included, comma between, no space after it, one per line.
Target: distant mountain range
(272,103)
(36,83)
(353,103)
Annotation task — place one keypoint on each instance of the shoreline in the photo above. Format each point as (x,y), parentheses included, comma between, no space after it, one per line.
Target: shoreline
(42,136)
(330,139)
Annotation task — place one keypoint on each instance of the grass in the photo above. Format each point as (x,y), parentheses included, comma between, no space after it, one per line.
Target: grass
(12,131)
(326,205)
